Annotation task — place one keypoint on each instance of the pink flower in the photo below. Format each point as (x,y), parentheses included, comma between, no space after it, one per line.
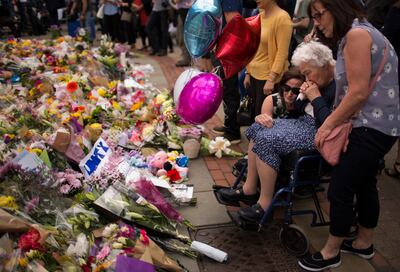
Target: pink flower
(103,253)
(75,183)
(65,189)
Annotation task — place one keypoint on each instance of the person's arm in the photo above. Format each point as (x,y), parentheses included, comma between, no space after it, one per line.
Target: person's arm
(357,55)
(301,23)
(268,106)
(231,9)
(265,118)
(283,36)
(84,9)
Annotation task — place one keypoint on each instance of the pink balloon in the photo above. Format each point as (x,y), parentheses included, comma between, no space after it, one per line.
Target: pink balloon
(200,98)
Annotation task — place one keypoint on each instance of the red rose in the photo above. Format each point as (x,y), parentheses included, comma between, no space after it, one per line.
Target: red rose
(30,240)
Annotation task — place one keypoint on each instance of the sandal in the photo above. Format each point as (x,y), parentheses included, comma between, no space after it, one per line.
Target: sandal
(393,172)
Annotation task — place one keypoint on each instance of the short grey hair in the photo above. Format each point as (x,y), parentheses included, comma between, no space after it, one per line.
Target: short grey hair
(314,53)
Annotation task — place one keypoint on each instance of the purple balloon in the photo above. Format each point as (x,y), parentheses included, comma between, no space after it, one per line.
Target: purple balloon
(200,98)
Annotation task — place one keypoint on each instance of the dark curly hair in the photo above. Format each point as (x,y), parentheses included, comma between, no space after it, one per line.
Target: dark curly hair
(292,73)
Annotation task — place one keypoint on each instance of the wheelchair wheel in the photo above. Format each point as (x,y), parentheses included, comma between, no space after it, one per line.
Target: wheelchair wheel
(294,240)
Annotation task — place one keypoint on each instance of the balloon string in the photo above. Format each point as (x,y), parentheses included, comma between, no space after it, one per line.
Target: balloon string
(216,70)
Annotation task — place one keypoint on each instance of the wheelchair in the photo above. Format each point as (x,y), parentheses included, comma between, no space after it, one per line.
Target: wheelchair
(299,169)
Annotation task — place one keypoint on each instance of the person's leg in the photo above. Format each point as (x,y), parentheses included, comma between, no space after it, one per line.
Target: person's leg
(268,177)
(163,27)
(231,103)
(107,25)
(250,186)
(356,174)
(395,170)
(256,87)
(91,25)
(115,25)
(185,56)
(153,32)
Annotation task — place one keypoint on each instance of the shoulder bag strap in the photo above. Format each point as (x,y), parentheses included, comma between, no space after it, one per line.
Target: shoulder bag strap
(380,68)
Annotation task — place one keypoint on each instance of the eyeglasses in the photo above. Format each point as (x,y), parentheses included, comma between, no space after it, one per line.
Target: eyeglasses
(317,16)
(294,90)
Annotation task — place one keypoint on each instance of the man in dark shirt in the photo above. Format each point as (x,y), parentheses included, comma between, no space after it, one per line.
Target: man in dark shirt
(231,95)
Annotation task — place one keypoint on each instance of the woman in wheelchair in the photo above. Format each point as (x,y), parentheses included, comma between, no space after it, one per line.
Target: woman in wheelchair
(270,139)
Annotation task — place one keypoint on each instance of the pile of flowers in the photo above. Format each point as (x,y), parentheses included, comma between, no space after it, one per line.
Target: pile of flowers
(83,138)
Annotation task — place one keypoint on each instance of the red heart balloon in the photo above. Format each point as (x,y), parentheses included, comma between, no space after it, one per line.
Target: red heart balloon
(238,43)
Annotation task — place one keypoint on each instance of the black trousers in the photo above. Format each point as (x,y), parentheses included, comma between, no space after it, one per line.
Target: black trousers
(355,175)
(157,28)
(111,25)
(257,96)
(231,103)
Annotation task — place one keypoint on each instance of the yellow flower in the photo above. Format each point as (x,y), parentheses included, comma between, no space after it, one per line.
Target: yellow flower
(32,91)
(8,202)
(84,53)
(36,150)
(23,262)
(102,92)
(161,98)
(76,114)
(49,101)
(26,43)
(116,105)
(112,84)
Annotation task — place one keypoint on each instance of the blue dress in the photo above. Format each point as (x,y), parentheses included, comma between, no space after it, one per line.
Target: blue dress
(287,135)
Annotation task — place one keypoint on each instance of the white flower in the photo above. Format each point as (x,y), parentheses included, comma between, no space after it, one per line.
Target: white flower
(374,93)
(80,248)
(82,32)
(391,93)
(388,68)
(219,145)
(346,88)
(117,245)
(377,113)
(394,132)
(374,48)
(365,121)
(109,230)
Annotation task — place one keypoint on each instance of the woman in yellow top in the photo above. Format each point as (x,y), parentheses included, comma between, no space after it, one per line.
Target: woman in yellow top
(271,58)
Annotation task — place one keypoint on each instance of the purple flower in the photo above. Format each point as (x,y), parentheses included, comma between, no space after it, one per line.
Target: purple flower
(31,204)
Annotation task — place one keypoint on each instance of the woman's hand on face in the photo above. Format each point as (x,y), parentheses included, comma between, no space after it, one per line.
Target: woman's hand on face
(246,81)
(268,87)
(264,120)
(310,90)
(322,133)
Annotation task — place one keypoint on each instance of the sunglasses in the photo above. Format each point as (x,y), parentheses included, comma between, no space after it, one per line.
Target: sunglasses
(317,16)
(294,90)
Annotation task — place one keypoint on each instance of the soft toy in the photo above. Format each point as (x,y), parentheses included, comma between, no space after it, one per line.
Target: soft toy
(164,167)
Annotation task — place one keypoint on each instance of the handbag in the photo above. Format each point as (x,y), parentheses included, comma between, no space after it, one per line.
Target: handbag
(100,12)
(338,139)
(243,116)
(126,16)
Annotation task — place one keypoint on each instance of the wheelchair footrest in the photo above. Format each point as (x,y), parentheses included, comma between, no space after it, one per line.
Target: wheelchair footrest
(241,223)
(219,198)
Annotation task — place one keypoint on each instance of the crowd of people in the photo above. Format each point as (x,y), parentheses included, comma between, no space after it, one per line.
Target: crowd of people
(317,65)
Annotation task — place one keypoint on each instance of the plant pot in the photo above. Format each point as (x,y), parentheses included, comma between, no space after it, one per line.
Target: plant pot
(191,148)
